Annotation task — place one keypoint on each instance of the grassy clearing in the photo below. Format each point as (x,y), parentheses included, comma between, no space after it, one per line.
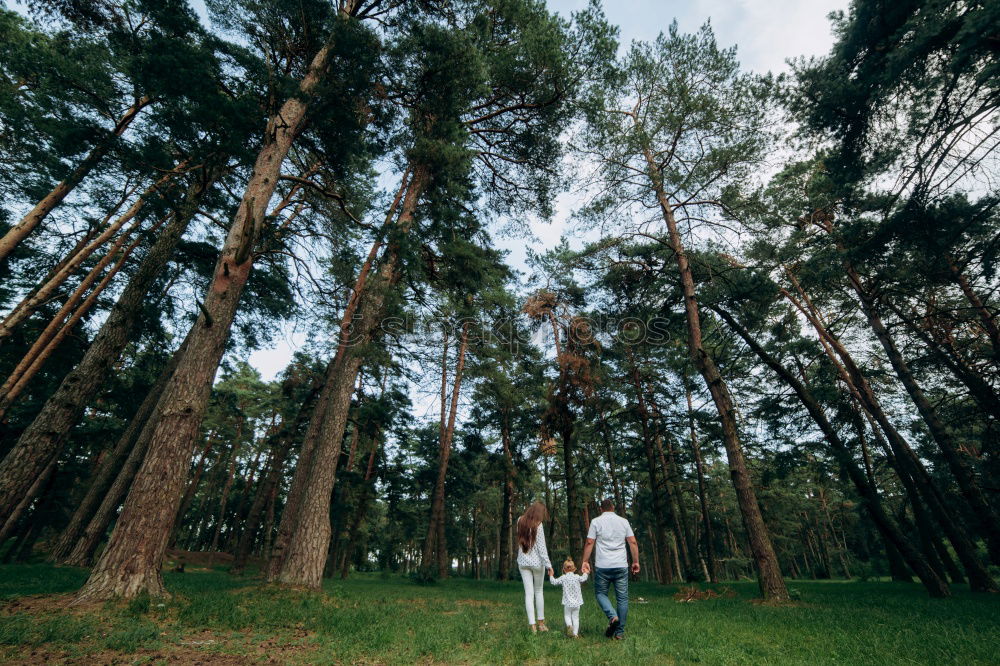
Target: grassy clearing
(375,620)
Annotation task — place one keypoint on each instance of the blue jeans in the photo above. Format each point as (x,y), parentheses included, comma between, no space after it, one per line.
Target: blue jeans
(619,577)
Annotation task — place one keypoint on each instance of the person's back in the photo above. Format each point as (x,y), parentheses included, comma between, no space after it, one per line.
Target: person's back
(608,537)
(609,531)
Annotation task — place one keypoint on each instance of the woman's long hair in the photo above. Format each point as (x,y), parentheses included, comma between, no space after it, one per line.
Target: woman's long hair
(527,525)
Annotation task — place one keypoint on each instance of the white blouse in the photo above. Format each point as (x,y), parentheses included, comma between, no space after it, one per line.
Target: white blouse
(538,555)
(570,582)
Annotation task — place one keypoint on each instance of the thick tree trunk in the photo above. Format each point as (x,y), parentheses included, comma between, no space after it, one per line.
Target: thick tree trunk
(47,434)
(310,540)
(772,585)
(36,215)
(130,565)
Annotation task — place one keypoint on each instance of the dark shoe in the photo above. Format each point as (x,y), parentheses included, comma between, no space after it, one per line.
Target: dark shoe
(612,628)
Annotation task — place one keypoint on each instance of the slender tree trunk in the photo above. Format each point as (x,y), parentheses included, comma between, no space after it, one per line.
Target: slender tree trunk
(987,318)
(612,467)
(507,506)
(36,215)
(655,485)
(935,586)
(435,530)
(130,565)
(367,490)
(772,585)
(192,488)
(708,539)
(961,468)
(979,577)
(226,488)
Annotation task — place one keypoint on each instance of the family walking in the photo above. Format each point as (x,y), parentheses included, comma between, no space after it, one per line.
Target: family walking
(607,538)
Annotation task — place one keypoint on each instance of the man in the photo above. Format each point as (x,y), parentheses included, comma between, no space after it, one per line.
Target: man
(610,532)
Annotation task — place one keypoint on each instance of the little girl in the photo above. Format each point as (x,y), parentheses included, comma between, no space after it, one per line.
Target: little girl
(572,596)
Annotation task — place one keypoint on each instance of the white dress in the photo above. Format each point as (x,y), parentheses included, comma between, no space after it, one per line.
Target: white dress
(537,556)
(572,594)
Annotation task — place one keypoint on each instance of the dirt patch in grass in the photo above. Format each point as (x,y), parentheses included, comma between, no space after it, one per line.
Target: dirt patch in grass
(692,593)
(46,603)
(480,603)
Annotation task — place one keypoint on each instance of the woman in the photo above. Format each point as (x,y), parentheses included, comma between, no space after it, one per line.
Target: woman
(533,561)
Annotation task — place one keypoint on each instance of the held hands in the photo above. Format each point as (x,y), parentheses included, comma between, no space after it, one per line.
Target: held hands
(551,572)
(586,567)
(635,568)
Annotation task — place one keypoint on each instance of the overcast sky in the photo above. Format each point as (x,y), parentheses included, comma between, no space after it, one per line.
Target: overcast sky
(766,32)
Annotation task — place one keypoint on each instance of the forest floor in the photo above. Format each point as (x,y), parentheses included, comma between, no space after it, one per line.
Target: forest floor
(213,618)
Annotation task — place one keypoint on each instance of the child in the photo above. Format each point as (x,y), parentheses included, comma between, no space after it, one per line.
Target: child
(572,596)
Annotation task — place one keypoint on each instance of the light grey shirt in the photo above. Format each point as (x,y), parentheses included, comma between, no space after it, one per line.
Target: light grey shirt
(609,531)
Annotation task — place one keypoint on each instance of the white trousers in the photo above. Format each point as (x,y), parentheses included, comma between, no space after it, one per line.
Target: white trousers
(532,577)
(572,617)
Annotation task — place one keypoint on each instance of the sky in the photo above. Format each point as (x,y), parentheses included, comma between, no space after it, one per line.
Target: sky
(767,33)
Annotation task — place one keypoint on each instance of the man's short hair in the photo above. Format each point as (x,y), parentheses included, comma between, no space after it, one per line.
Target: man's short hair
(607,504)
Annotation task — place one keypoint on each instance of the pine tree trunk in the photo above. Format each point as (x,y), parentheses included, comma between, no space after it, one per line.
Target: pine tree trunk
(935,586)
(192,487)
(36,215)
(310,531)
(707,538)
(988,520)
(986,317)
(49,430)
(130,565)
(772,585)
(507,506)
(979,578)
(435,529)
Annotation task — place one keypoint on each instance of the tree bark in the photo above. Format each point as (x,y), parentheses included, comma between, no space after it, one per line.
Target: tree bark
(707,538)
(772,585)
(47,434)
(310,538)
(987,518)
(435,530)
(130,565)
(36,215)
(979,578)
(935,586)
(507,506)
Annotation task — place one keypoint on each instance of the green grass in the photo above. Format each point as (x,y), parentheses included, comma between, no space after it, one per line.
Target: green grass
(373,619)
